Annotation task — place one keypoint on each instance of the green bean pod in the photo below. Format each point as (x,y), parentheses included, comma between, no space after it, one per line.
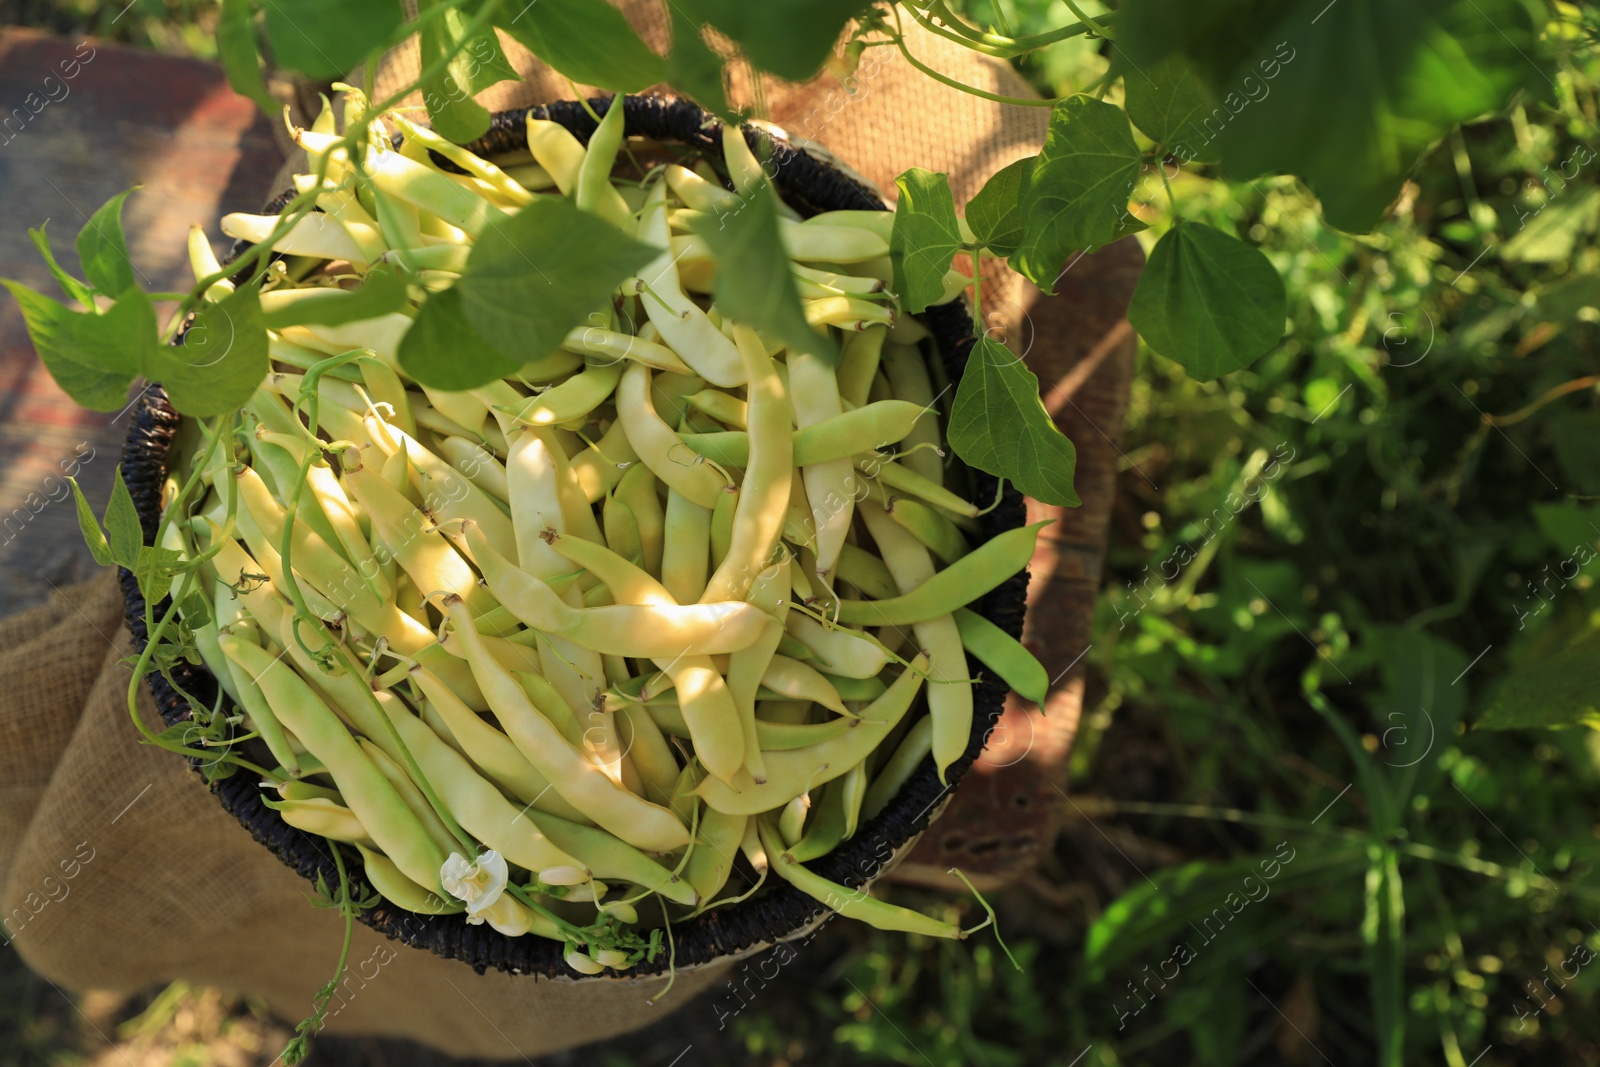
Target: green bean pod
(949,691)
(392,885)
(585,786)
(851,903)
(792,772)
(325,818)
(1004,655)
(764,493)
(985,568)
(643,631)
(490,750)
(373,800)
(604,855)
(938,534)
(913,748)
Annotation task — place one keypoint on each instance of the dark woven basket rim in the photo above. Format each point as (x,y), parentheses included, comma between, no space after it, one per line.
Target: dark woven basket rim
(779,912)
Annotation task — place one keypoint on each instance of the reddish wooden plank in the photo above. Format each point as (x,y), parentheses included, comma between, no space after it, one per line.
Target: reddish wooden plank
(79,122)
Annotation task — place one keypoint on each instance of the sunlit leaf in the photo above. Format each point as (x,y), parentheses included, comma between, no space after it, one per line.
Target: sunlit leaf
(995,214)
(1077,197)
(329,38)
(754,282)
(998,424)
(1208,301)
(925,238)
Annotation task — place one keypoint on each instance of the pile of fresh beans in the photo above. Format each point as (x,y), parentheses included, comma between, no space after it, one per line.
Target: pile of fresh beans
(543,649)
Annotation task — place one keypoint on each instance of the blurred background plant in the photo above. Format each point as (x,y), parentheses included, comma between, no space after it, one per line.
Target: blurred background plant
(1294,841)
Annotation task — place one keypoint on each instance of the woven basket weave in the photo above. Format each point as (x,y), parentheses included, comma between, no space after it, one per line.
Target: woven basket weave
(779,912)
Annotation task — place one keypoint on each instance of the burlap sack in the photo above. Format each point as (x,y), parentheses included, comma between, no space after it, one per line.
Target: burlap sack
(119,870)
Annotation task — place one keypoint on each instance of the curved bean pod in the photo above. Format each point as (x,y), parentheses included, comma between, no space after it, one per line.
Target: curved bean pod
(685,328)
(480,466)
(1004,655)
(598,468)
(643,631)
(585,786)
(792,772)
(593,191)
(841,651)
(392,885)
(476,804)
(491,750)
(325,818)
(985,568)
(851,903)
(373,800)
(793,680)
(686,555)
(949,691)
(907,372)
(605,856)
(637,492)
(594,341)
(770,736)
(764,493)
(658,445)
(938,534)
(897,769)
(574,398)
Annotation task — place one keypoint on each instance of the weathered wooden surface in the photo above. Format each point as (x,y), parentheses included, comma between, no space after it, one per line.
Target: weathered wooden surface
(79,122)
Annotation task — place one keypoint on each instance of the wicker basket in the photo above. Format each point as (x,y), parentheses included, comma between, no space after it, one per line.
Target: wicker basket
(779,912)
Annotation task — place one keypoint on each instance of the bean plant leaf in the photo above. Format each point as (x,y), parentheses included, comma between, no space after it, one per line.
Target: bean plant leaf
(995,214)
(998,424)
(693,68)
(222,359)
(1077,197)
(1560,690)
(447,91)
(539,274)
(103,251)
(92,357)
(1208,301)
(124,534)
(236,48)
(69,285)
(442,350)
(1169,102)
(1344,95)
(754,282)
(588,41)
(328,38)
(89,526)
(790,38)
(925,238)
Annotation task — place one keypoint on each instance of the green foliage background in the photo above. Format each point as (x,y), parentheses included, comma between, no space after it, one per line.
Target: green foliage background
(1325,571)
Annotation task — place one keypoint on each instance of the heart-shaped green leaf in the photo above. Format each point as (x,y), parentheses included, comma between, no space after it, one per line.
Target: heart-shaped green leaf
(998,424)
(995,214)
(925,237)
(1208,301)
(1077,197)
(103,251)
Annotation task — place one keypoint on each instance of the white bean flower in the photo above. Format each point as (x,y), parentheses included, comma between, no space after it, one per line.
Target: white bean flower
(478,883)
